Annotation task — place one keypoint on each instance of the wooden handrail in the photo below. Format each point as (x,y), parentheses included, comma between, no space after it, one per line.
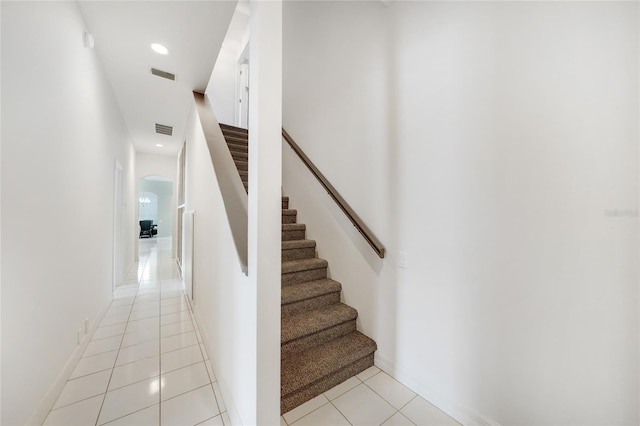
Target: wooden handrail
(375,244)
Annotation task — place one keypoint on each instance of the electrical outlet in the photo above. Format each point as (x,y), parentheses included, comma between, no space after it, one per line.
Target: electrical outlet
(402,259)
(86,325)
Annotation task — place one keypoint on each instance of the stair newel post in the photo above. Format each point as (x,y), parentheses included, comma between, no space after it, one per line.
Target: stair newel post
(264,199)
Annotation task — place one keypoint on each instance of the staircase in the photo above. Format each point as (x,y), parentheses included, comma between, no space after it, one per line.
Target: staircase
(238,143)
(320,346)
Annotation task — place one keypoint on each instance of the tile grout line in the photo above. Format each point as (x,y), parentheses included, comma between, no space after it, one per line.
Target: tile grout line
(415,395)
(362,382)
(160,352)
(159,301)
(119,347)
(341,413)
(330,400)
(193,323)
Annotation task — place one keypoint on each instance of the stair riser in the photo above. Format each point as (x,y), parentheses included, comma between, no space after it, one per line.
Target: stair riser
(243,167)
(285,204)
(228,127)
(239,156)
(304,276)
(288,218)
(292,400)
(309,304)
(292,235)
(299,253)
(239,142)
(237,147)
(235,134)
(315,339)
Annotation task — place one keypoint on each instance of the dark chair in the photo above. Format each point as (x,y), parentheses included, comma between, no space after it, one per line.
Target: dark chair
(147,229)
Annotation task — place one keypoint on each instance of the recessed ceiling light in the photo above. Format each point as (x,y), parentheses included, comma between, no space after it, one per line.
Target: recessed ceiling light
(158,48)
(159,145)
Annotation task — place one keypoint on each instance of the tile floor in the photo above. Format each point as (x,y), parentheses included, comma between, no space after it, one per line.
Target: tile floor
(371,398)
(146,365)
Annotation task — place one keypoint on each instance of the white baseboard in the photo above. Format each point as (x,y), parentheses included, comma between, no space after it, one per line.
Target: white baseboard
(459,412)
(232,410)
(48,401)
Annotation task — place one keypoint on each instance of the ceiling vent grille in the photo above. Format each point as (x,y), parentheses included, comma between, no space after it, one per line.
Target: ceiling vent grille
(163,74)
(164,129)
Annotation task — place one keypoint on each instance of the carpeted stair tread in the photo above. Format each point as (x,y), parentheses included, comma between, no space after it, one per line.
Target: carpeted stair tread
(234,134)
(308,290)
(296,244)
(304,324)
(294,226)
(290,266)
(234,128)
(242,165)
(329,381)
(234,148)
(297,249)
(314,364)
(237,142)
(238,156)
(293,231)
(234,131)
(242,155)
(305,296)
(289,216)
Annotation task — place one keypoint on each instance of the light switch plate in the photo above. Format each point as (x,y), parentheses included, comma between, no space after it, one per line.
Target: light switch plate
(402,259)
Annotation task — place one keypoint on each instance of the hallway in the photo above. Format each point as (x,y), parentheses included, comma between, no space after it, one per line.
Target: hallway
(145,364)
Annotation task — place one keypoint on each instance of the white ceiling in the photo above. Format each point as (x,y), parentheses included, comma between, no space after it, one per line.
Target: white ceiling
(193,32)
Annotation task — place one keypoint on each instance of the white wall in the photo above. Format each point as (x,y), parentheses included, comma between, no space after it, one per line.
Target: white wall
(239,315)
(490,142)
(222,85)
(222,294)
(165,166)
(265,201)
(62,131)
(0,221)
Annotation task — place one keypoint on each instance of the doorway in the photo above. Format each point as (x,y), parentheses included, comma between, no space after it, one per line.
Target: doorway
(156,206)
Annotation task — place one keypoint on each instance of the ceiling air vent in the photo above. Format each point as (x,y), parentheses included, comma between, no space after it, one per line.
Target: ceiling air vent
(164,129)
(163,74)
